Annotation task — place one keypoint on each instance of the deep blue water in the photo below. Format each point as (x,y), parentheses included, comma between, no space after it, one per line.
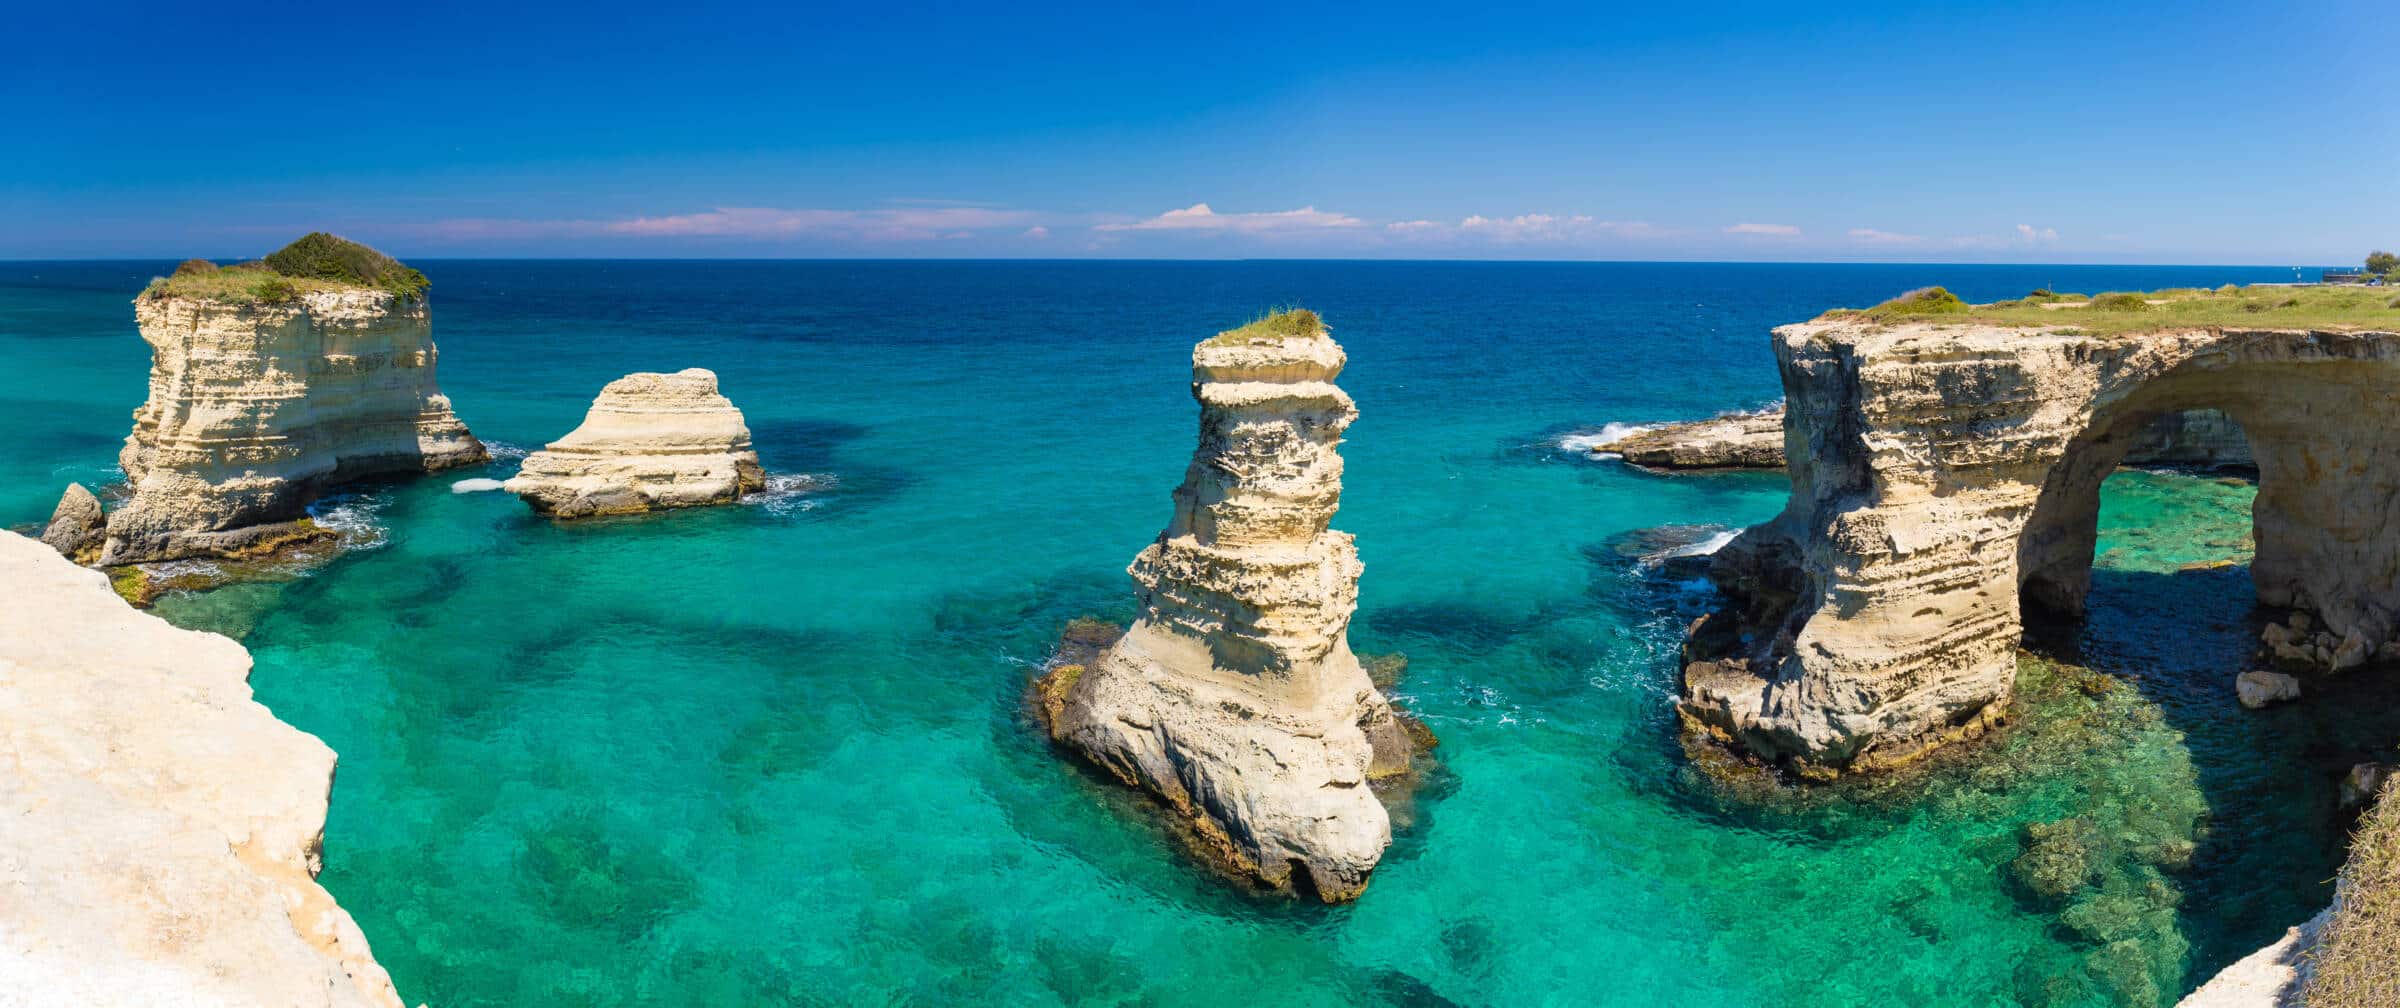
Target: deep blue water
(774,753)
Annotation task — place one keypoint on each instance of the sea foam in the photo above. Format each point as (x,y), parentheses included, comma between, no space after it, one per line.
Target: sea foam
(476,485)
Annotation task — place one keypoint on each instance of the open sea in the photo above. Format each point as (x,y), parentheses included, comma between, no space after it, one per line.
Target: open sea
(775,753)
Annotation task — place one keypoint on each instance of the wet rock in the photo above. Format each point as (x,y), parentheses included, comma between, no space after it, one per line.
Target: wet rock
(2259,689)
(2364,782)
(77,525)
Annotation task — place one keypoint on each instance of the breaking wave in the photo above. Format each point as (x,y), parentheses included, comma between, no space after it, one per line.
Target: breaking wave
(1585,442)
(357,518)
(477,485)
(787,493)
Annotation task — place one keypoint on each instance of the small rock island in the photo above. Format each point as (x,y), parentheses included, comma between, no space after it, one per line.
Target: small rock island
(1235,698)
(651,442)
(271,382)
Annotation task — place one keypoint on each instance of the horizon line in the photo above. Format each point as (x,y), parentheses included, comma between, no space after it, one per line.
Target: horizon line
(1236,259)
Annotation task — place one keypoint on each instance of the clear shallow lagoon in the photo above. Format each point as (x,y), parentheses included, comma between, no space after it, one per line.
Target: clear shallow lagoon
(774,753)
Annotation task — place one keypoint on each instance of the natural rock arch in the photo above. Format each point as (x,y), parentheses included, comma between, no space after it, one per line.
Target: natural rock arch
(1942,473)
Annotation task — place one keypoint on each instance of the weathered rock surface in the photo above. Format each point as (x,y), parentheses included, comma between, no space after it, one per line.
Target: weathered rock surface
(1235,698)
(1754,440)
(651,441)
(2272,977)
(163,829)
(1951,472)
(258,407)
(1732,441)
(77,525)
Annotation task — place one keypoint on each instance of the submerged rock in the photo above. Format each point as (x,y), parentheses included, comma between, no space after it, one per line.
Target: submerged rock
(651,441)
(266,393)
(77,526)
(164,829)
(2258,689)
(1234,697)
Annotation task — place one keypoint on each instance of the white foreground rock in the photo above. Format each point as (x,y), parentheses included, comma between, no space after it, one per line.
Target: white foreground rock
(1235,698)
(651,441)
(163,830)
(2258,689)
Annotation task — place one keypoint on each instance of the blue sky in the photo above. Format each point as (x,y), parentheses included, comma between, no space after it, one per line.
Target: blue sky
(2195,132)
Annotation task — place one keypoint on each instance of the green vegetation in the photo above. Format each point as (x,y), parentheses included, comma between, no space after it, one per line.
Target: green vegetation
(2382,262)
(317,262)
(2335,307)
(1277,324)
(2355,954)
(2121,301)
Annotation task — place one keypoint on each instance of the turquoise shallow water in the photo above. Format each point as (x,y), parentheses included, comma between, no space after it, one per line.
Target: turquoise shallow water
(774,753)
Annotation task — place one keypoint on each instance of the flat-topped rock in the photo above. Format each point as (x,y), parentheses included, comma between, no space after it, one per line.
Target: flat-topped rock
(651,441)
(1235,698)
(266,390)
(164,830)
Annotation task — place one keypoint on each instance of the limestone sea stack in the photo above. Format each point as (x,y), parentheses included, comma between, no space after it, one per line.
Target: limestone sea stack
(164,830)
(651,441)
(1946,482)
(271,383)
(1234,697)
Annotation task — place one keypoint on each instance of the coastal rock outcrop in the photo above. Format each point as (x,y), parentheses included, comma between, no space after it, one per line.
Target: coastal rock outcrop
(164,830)
(266,389)
(651,441)
(1234,698)
(78,526)
(1752,440)
(2204,438)
(1947,481)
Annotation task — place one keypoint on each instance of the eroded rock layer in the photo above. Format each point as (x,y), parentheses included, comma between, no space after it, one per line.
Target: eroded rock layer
(164,830)
(256,407)
(651,441)
(1949,472)
(1754,440)
(1234,697)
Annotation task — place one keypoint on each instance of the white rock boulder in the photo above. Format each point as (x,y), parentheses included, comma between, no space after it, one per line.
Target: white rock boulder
(651,441)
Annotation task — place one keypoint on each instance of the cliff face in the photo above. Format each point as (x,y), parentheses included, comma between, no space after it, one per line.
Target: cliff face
(257,407)
(650,441)
(164,830)
(1234,697)
(1950,471)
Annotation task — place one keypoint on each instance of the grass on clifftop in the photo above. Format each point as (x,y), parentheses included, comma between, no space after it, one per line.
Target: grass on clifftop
(317,262)
(2356,957)
(2259,307)
(1277,324)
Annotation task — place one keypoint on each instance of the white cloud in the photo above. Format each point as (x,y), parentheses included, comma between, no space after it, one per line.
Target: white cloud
(1200,217)
(905,224)
(2029,233)
(1874,237)
(1546,227)
(1775,230)
(1410,227)
(1037,231)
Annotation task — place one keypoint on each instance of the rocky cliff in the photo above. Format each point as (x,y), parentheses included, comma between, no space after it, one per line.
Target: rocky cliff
(258,404)
(1235,698)
(1754,440)
(651,441)
(164,830)
(1950,470)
